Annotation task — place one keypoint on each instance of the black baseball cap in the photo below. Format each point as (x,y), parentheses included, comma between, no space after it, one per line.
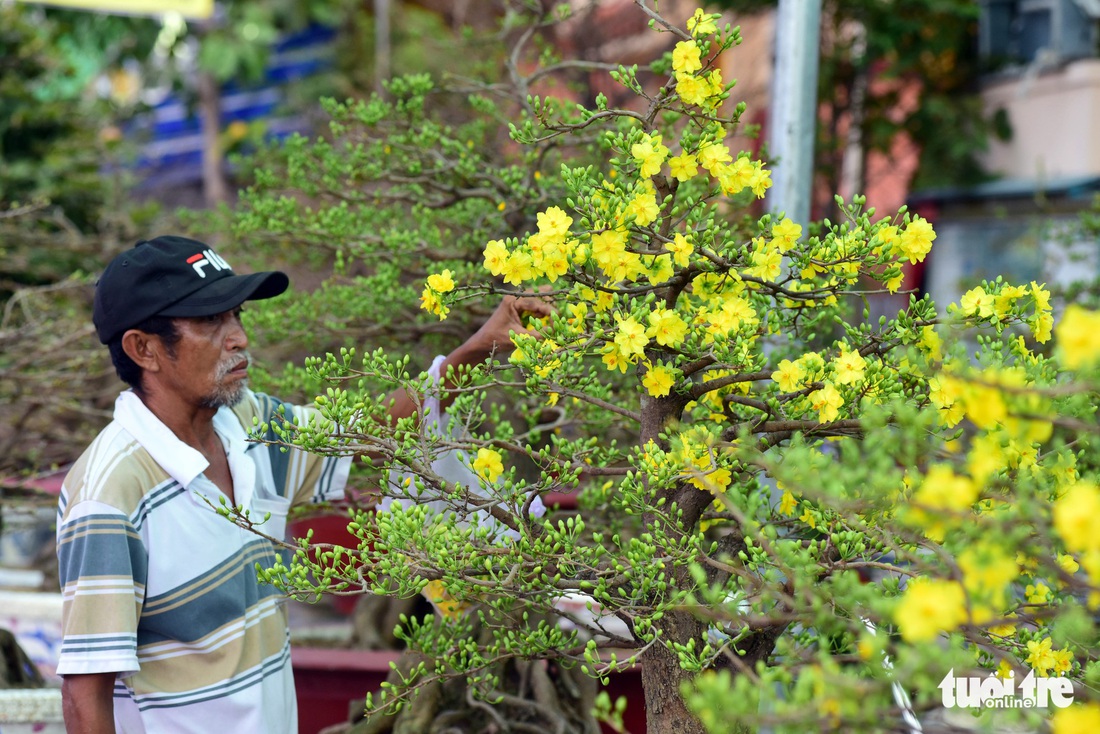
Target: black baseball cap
(173,276)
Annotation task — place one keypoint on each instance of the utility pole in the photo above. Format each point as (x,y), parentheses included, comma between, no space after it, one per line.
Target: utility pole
(794,107)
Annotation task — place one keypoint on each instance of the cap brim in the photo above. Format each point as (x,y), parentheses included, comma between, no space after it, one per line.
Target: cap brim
(225,294)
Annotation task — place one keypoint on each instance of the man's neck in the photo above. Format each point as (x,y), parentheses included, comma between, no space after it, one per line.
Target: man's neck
(194,425)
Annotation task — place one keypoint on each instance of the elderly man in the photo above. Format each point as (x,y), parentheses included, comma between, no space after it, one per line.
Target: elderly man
(166,628)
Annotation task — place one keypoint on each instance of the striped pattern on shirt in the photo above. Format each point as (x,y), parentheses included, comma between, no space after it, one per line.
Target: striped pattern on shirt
(162,590)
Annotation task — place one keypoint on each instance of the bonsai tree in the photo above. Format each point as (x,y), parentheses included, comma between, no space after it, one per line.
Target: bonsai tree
(790,515)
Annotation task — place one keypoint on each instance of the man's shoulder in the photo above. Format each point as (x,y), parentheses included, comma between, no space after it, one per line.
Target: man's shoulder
(114,470)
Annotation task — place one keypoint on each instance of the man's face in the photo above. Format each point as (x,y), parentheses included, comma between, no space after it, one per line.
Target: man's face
(211,359)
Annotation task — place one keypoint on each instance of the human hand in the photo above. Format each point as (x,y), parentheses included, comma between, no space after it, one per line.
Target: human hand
(494,334)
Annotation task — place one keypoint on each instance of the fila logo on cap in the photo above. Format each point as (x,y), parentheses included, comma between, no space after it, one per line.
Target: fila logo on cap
(207,257)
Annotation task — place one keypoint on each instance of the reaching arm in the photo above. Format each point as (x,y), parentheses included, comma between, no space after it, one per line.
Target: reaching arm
(87,702)
(491,338)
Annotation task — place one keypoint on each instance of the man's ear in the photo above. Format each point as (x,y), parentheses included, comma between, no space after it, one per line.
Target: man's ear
(146,350)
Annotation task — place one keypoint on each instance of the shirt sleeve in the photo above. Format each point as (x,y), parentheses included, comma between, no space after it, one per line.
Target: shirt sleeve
(303,477)
(103,567)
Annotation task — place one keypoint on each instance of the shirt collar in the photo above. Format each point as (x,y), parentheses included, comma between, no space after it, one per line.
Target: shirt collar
(182,462)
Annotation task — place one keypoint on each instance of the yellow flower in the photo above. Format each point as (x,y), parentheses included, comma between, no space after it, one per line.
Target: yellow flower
(850,367)
(692,89)
(808,517)
(1041,326)
(1063,661)
(1078,335)
(977,302)
(429,301)
(767,263)
(681,249)
(1068,563)
(649,154)
(554,221)
(931,343)
(613,359)
(1006,629)
(1078,719)
(827,402)
(713,156)
(631,338)
(789,376)
(943,489)
(496,255)
(1006,299)
(787,503)
(761,180)
(644,208)
(685,58)
(658,380)
(1040,657)
(683,167)
(702,24)
(666,327)
(929,607)
(518,268)
(786,233)
(488,465)
(1077,518)
(915,242)
(1038,593)
(441,282)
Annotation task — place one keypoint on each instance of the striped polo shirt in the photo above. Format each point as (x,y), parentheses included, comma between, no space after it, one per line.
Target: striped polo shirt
(162,590)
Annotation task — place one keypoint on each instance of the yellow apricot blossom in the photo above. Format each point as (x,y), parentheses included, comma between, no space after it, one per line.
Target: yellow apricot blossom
(1040,656)
(787,503)
(1077,719)
(666,327)
(1078,335)
(692,89)
(850,367)
(683,167)
(650,153)
(976,302)
(916,240)
(554,221)
(658,380)
(644,207)
(614,359)
(702,24)
(518,267)
(488,465)
(496,255)
(827,402)
(789,376)
(1077,517)
(429,301)
(681,249)
(785,234)
(767,262)
(929,607)
(441,282)
(631,337)
(686,57)
(713,156)
(943,489)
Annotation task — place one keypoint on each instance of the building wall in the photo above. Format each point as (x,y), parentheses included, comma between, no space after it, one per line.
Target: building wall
(1055,116)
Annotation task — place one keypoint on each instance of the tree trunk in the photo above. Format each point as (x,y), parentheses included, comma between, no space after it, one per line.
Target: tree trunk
(214,186)
(662,678)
